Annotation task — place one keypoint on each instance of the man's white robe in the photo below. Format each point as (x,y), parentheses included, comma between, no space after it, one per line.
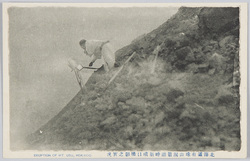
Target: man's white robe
(98,49)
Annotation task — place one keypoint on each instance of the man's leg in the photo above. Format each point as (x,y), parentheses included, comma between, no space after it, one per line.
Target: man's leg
(106,67)
(105,64)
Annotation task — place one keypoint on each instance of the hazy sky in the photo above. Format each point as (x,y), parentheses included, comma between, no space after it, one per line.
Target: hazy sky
(41,40)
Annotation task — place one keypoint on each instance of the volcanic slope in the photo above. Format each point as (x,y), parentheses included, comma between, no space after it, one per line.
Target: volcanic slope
(190,101)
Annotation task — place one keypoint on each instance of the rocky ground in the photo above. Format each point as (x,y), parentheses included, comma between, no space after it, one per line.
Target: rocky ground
(190,101)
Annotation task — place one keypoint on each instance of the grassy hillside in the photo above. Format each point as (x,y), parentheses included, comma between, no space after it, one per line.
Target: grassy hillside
(190,101)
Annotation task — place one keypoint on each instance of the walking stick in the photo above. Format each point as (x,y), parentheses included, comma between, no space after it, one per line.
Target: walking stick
(111,80)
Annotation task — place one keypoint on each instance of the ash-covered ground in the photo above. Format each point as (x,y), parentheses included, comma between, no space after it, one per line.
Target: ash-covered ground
(188,101)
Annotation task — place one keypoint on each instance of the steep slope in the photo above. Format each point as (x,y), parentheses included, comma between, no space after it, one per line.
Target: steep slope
(190,101)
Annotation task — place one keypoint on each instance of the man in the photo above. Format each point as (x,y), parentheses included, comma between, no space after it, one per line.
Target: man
(98,49)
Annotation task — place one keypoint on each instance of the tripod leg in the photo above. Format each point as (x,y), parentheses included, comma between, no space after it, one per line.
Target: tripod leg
(78,79)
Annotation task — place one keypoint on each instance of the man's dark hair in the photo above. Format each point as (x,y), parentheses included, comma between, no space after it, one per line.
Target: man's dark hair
(82,42)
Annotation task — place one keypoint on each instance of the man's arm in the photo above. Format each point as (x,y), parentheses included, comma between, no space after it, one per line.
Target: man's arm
(94,58)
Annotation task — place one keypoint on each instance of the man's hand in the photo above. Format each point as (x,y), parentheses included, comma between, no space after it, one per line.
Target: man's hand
(91,64)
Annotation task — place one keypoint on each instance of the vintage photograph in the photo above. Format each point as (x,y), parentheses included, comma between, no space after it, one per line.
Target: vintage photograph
(119,79)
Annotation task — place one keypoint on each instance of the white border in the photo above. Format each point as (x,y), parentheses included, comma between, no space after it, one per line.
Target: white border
(103,154)
(123,5)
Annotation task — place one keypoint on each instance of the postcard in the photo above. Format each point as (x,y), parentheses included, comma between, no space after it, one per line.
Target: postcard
(125,80)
